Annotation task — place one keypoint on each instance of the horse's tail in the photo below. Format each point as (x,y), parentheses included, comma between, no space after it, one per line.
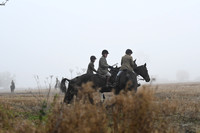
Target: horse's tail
(63,87)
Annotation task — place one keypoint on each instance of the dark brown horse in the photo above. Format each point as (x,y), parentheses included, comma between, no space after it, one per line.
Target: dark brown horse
(128,79)
(74,84)
(99,81)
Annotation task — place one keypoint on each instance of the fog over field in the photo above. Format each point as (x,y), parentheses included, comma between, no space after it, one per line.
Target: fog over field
(53,37)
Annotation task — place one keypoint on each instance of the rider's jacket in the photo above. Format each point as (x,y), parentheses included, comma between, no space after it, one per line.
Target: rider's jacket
(127,63)
(103,66)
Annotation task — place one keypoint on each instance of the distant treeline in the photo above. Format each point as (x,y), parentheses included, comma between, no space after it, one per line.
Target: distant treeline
(5,79)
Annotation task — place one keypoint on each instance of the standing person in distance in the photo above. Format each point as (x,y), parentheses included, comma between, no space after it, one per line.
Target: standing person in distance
(91,68)
(103,67)
(12,86)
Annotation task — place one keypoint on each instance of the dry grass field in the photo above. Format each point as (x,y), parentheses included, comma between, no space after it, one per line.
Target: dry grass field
(164,108)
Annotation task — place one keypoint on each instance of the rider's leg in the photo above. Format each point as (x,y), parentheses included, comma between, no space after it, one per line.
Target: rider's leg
(117,79)
(108,75)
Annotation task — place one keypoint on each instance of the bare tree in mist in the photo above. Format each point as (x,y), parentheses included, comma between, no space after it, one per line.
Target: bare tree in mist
(71,72)
(80,71)
(3,3)
(83,70)
(5,79)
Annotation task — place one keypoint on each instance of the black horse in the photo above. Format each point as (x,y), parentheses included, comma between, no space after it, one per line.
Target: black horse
(128,80)
(99,81)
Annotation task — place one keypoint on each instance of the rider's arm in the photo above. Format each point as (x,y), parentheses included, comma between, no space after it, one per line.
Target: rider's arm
(92,67)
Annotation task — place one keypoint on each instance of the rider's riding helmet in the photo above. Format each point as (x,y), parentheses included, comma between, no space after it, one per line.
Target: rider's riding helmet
(128,51)
(105,52)
(92,58)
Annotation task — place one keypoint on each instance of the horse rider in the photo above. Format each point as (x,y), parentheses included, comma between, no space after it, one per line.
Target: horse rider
(103,67)
(91,68)
(127,63)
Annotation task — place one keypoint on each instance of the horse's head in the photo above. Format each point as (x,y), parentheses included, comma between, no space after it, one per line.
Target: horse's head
(135,65)
(142,71)
(113,72)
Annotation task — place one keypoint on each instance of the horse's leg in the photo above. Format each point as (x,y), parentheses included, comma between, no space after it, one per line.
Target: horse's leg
(136,85)
(102,97)
(117,90)
(90,99)
(134,88)
(119,87)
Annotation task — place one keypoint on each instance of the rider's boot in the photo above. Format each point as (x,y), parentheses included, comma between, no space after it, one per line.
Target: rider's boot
(108,84)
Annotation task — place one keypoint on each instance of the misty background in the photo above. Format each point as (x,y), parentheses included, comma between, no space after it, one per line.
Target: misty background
(48,37)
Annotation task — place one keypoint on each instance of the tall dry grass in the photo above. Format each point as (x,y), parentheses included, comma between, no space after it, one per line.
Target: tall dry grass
(127,112)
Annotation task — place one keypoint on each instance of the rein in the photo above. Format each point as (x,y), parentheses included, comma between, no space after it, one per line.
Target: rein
(115,64)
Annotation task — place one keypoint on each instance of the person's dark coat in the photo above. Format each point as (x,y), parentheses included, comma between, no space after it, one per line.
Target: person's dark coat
(103,66)
(91,68)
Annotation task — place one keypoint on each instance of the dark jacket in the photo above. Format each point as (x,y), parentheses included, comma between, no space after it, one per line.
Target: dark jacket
(91,68)
(127,63)
(103,66)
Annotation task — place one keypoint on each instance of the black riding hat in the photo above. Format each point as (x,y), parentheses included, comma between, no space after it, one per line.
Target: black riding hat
(129,51)
(92,57)
(105,52)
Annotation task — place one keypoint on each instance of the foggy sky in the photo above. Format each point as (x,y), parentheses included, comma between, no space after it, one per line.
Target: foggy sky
(51,37)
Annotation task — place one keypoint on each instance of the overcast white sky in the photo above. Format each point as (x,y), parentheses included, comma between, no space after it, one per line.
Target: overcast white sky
(49,37)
